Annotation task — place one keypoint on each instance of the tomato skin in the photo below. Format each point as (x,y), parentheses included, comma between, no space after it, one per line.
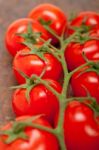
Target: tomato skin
(42,101)
(80,127)
(95,31)
(73,53)
(37,139)
(32,64)
(89,80)
(13,41)
(49,12)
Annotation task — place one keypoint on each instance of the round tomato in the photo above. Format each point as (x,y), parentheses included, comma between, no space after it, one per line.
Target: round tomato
(14,42)
(49,12)
(42,101)
(73,53)
(32,64)
(37,139)
(87,18)
(81,128)
(82,80)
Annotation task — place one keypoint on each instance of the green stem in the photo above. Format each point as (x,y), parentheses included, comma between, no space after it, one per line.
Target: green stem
(70,38)
(80,67)
(44,41)
(66,75)
(55,52)
(34,125)
(60,129)
(50,30)
(80,99)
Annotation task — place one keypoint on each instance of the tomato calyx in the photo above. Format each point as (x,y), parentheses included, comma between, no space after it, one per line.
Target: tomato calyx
(83,35)
(30,41)
(30,36)
(30,83)
(17,130)
(43,22)
(39,51)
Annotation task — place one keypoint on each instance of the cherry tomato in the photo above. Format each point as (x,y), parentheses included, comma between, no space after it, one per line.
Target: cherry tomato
(87,18)
(49,12)
(81,128)
(32,64)
(42,101)
(13,41)
(37,139)
(73,53)
(82,80)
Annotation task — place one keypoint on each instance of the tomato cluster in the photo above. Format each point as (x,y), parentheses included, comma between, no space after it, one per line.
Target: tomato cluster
(40,72)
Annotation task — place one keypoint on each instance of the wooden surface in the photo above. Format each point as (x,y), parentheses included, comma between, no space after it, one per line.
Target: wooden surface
(11,10)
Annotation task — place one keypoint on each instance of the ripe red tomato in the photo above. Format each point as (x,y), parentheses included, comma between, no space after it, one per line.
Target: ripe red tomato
(42,101)
(37,139)
(88,80)
(81,128)
(32,64)
(13,41)
(49,12)
(88,18)
(73,53)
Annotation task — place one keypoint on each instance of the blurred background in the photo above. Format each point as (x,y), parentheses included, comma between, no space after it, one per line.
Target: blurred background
(11,10)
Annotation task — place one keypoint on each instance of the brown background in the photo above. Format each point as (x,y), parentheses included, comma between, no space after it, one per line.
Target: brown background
(14,9)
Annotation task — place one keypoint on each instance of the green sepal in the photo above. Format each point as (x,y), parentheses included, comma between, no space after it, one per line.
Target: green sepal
(83,34)
(30,36)
(23,86)
(18,129)
(43,22)
(30,83)
(28,90)
(39,51)
(93,68)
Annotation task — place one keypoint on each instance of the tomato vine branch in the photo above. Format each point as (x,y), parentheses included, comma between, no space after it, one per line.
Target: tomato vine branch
(58,53)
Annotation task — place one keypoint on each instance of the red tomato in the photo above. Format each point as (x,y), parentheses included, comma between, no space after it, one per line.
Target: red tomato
(89,18)
(42,101)
(88,80)
(49,12)
(13,41)
(32,64)
(37,139)
(73,53)
(80,127)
